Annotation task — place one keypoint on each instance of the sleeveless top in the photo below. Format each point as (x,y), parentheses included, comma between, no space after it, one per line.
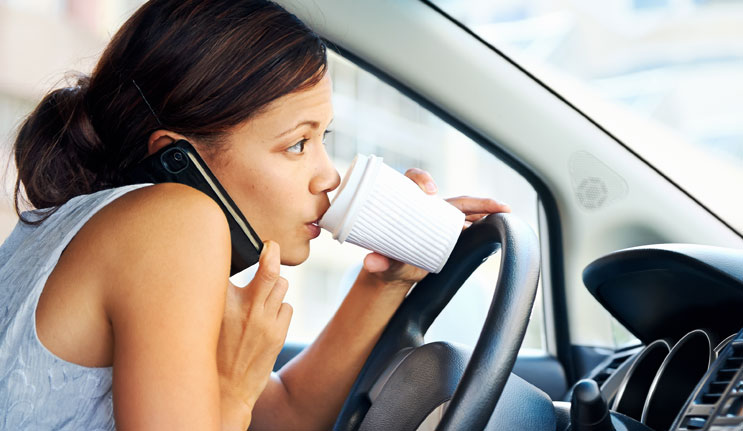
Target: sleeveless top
(38,390)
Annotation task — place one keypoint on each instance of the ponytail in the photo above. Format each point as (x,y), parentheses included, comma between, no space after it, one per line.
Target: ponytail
(55,150)
(205,66)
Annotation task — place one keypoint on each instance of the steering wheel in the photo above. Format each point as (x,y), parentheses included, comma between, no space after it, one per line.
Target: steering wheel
(401,370)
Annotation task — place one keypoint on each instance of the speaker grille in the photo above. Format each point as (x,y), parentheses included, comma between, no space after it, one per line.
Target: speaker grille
(595,185)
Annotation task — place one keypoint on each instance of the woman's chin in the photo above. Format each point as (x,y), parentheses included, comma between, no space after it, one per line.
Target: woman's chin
(295,256)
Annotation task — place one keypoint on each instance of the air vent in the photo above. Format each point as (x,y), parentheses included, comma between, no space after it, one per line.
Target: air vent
(610,369)
(717,403)
(712,393)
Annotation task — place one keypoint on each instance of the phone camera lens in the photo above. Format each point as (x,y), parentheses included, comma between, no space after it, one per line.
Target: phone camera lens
(174,160)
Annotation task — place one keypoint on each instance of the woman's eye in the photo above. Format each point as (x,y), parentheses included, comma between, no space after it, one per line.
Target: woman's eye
(325,135)
(297,148)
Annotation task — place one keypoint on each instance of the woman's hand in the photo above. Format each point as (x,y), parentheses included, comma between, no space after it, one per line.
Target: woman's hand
(253,331)
(392,271)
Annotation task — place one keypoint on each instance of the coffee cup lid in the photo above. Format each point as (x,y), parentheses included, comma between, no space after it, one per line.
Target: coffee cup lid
(352,192)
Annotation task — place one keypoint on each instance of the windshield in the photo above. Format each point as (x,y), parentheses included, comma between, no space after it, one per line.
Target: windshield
(663,76)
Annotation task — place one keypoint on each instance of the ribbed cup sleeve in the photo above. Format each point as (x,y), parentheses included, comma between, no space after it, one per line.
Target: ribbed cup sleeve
(401,222)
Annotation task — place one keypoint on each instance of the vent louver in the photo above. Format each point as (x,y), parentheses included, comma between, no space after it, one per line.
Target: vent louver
(717,403)
(601,377)
(712,393)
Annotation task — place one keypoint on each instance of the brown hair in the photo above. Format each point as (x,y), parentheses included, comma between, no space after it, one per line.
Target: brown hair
(195,67)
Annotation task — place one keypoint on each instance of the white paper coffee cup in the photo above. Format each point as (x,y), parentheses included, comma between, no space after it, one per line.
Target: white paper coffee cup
(382,210)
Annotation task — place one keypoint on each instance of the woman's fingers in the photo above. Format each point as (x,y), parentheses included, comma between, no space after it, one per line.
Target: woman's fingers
(467,204)
(276,295)
(269,264)
(268,288)
(475,217)
(477,208)
(423,179)
(470,205)
(284,317)
(254,328)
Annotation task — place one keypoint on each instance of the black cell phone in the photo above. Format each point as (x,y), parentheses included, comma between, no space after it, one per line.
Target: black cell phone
(180,163)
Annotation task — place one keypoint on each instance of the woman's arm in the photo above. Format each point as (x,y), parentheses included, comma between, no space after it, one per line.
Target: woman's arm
(309,391)
(165,289)
(182,358)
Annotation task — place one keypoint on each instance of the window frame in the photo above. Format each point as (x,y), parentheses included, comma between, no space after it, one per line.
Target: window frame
(556,327)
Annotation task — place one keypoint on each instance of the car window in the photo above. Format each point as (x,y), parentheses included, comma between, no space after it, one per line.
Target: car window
(663,76)
(371,117)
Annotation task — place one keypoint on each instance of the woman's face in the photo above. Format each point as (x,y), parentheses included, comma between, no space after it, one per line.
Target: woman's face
(276,169)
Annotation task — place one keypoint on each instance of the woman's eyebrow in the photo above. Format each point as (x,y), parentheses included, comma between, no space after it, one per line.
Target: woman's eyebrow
(312,123)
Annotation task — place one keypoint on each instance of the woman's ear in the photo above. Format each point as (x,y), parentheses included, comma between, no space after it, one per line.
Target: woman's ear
(161,138)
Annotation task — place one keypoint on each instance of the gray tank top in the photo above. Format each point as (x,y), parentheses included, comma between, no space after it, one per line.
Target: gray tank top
(38,390)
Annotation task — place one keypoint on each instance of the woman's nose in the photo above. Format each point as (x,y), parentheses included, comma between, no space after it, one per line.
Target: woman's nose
(327,178)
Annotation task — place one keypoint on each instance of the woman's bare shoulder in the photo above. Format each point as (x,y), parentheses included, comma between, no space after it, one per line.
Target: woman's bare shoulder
(160,215)
(157,247)
(159,206)
(140,236)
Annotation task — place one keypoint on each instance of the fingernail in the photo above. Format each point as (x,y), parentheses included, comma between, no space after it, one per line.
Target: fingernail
(431,187)
(265,247)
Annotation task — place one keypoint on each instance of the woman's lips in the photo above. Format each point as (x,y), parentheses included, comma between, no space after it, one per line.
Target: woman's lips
(313,229)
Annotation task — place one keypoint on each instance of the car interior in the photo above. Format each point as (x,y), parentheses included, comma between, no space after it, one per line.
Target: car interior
(612,227)
(609,299)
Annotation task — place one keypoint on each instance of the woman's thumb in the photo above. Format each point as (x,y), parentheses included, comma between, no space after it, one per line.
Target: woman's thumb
(375,262)
(269,262)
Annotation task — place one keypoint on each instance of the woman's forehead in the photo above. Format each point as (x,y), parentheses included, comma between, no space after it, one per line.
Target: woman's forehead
(312,104)
(308,98)
(287,115)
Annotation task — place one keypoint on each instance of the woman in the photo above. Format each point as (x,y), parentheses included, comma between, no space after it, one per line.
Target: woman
(118,309)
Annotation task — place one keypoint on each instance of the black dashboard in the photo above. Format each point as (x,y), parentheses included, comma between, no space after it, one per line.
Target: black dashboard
(689,385)
(685,304)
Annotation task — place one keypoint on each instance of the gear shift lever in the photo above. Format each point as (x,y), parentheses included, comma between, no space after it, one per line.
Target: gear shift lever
(588,409)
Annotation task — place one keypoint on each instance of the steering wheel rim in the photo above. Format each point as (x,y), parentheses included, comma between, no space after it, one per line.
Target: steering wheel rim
(494,354)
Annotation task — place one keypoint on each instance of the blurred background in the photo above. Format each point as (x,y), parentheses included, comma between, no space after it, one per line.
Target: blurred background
(662,75)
